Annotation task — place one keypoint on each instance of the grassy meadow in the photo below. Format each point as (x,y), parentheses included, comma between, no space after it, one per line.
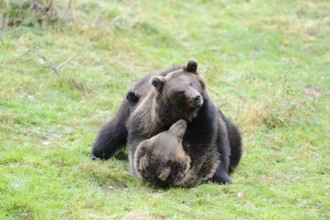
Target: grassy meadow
(65,68)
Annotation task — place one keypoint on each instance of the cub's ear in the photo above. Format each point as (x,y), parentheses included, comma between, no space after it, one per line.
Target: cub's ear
(141,155)
(164,173)
(179,128)
(158,82)
(143,162)
(191,66)
(188,161)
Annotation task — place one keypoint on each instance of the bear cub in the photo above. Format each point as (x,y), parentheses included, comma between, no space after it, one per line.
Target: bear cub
(161,160)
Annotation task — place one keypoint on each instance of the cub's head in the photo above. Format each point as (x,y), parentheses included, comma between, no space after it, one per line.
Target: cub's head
(181,91)
(161,160)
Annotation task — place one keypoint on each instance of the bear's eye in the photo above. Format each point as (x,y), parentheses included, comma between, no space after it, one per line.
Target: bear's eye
(191,84)
(181,93)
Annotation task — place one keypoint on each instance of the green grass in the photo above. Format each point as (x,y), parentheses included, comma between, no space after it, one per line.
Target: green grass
(266,64)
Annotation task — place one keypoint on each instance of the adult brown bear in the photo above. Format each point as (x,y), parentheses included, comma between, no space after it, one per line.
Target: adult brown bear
(156,102)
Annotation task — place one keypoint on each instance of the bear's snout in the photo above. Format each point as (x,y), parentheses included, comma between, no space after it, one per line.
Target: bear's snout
(198,100)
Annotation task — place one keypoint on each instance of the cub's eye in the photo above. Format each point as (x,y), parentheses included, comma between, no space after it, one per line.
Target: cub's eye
(181,93)
(191,84)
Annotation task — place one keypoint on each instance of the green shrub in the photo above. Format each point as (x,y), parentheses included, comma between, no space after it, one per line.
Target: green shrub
(29,13)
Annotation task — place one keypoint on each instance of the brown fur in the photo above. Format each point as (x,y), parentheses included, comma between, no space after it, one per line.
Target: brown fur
(152,106)
(180,95)
(161,160)
(113,134)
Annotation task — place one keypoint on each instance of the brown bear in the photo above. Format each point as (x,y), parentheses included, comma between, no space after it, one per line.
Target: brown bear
(178,93)
(181,94)
(161,160)
(113,135)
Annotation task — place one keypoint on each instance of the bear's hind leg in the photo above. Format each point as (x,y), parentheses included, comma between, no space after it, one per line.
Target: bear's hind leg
(235,142)
(221,174)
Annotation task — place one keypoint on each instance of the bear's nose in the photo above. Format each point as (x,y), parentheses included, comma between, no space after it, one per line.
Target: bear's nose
(198,98)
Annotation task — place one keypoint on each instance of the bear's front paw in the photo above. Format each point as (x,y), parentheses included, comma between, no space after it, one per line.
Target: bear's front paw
(222,178)
(132,97)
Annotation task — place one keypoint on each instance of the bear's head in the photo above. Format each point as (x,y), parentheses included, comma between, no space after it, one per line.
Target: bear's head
(161,160)
(180,93)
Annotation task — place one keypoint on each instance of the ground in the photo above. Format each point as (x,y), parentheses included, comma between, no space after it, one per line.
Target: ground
(266,64)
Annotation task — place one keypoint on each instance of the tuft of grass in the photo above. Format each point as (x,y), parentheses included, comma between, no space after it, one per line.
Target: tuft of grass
(281,110)
(29,13)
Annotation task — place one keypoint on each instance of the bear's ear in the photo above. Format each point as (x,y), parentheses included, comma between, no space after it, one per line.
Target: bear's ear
(143,162)
(141,154)
(164,173)
(158,82)
(179,128)
(191,66)
(188,161)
